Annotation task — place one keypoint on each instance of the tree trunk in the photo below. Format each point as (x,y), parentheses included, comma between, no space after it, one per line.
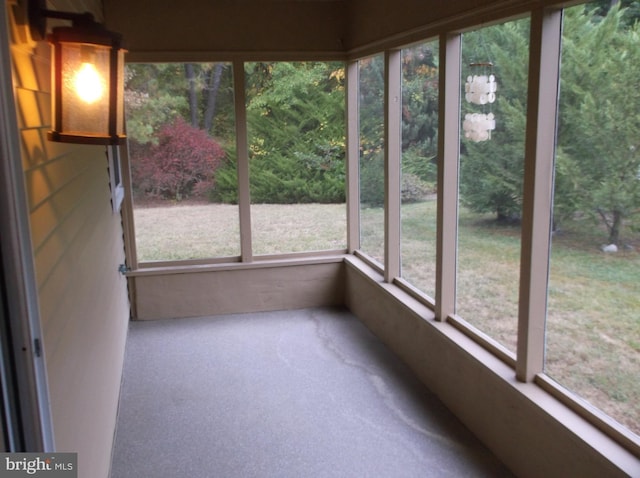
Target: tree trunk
(214,86)
(614,229)
(193,95)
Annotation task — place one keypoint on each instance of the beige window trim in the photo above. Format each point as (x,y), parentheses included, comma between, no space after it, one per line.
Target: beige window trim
(128,224)
(591,413)
(414,292)
(242,161)
(448,164)
(353,157)
(480,337)
(544,70)
(114,158)
(392,152)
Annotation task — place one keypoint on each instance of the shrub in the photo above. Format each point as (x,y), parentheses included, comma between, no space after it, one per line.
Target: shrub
(372,180)
(181,165)
(412,188)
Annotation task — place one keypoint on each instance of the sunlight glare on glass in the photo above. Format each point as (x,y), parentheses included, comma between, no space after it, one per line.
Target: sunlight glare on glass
(88,83)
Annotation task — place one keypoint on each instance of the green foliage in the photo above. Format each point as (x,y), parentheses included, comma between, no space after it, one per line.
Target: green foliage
(491,172)
(295,114)
(569,194)
(372,180)
(371,119)
(419,124)
(157,93)
(225,187)
(152,99)
(420,111)
(412,188)
(599,119)
(600,8)
(415,164)
(597,160)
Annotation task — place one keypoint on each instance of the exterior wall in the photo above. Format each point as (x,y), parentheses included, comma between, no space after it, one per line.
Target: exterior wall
(197,29)
(77,246)
(532,433)
(238,289)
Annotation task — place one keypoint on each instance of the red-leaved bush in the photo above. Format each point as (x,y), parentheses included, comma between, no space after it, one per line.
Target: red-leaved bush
(181,165)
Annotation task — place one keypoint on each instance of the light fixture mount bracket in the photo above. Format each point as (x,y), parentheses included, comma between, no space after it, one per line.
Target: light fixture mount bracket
(37,15)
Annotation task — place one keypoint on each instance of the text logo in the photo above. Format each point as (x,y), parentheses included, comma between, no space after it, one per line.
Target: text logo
(44,465)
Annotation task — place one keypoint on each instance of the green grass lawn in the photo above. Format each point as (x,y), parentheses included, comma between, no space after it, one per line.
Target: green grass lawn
(593,323)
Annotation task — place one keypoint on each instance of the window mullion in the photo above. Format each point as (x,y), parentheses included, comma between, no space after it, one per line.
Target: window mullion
(353,157)
(244,196)
(544,61)
(448,165)
(392,148)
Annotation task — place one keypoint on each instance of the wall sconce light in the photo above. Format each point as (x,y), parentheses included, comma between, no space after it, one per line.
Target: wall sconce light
(87,77)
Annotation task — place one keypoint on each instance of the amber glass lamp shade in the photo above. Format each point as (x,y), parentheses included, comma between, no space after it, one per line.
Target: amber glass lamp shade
(88,86)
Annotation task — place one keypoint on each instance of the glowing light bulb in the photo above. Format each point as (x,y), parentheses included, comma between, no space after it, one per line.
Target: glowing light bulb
(88,83)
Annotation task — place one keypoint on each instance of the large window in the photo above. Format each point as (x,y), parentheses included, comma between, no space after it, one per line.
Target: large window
(491,177)
(295,116)
(419,165)
(181,128)
(371,116)
(180,125)
(593,323)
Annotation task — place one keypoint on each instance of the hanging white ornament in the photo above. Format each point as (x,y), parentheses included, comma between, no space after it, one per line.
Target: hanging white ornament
(480,89)
(478,126)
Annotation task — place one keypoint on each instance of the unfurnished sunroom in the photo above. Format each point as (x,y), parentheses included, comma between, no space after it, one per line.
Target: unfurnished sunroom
(448,173)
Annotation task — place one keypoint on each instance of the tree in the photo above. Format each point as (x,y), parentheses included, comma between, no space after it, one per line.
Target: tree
(190,75)
(213,88)
(597,159)
(180,165)
(371,111)
(295,114)
(492,171)
(420,111)
(153,97)
(202,93)
(599,123)
(156,96)
(600,8)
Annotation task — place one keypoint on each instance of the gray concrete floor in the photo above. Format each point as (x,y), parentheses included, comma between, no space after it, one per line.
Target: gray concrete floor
(304,393)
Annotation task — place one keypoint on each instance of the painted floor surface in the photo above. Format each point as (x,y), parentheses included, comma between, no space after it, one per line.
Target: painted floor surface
(304,393)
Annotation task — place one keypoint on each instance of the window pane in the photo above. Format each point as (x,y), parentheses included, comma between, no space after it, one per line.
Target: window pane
(593,318)
(491,176)
(371,115)
(419,165)
(296,119)
(181,130)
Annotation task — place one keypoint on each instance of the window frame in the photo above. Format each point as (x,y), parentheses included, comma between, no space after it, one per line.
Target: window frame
(116,184)
(543,76)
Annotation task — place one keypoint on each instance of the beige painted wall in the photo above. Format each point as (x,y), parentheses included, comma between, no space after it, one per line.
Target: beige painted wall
(291,29)
(227,27)
(239,289)
(373,20)
(77,244)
